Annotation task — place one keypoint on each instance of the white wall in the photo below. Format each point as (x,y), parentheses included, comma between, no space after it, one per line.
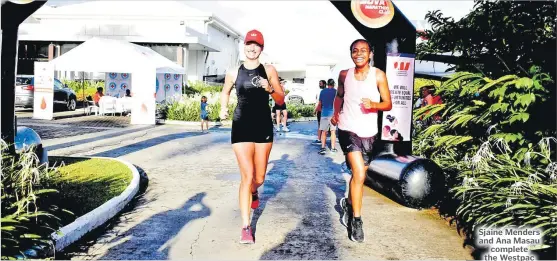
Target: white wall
(196,61)
(315,73)
(219,62)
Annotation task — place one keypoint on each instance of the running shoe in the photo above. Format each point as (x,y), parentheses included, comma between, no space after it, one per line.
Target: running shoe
(346,211)
(277,128)
(285,129)
(334,150)
(247,236)
(254,200)
(316,142)
(357,230)
(322,151)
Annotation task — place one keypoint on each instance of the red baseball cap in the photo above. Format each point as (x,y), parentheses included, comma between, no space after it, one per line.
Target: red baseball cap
(254,36)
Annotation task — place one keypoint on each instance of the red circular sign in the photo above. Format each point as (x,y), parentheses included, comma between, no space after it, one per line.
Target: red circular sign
(373,13)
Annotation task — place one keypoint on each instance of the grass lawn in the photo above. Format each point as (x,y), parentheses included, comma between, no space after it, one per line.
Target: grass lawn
(85,184)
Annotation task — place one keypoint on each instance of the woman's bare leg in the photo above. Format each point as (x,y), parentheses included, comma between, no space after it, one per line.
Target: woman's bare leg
(245,152)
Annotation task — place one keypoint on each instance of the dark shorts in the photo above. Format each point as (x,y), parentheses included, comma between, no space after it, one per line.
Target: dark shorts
(279,107)
(350,142)
(251,131)
(204,117)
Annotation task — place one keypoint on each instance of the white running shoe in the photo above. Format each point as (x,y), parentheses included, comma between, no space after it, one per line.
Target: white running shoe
(285,129)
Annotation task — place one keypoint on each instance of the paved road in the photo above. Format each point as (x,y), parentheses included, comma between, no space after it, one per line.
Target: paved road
(190,209)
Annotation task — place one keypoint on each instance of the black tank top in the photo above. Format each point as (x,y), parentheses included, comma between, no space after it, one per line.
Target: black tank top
(253,101)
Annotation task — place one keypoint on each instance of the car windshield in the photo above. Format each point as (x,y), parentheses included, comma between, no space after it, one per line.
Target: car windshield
(23,80)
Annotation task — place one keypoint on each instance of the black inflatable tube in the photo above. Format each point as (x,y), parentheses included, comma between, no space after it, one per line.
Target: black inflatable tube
(410,181)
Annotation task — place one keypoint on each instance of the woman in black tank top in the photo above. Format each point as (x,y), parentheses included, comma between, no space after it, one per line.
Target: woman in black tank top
(252,125)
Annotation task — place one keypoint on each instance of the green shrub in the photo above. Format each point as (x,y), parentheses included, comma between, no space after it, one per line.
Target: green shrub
(488,138)
(195,87)
(497,191)
(90,88)
(189,108)
(298,111)
(27,222)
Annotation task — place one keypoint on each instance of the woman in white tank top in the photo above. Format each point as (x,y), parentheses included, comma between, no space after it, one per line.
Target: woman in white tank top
(363,91)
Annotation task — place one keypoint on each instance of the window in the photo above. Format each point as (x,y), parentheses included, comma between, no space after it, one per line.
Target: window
(23,80)
(298,80)
(58,85)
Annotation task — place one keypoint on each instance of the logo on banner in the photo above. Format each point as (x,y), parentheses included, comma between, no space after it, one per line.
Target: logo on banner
(167,87)
(176,77)
(112,85)
(176,87)
(125,76)
(123,86)
(373,13)
(167,76)
(112,75)
(402,68)
(43,104)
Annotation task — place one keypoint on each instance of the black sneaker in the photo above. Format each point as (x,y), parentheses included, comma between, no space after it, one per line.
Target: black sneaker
(357,230)
(322,151)
(316,142)
(346,211)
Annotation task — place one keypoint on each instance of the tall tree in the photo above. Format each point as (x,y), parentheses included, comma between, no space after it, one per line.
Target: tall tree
(501,37)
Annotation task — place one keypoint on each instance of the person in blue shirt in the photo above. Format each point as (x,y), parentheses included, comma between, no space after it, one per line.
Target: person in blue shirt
(204,114)
(326,103)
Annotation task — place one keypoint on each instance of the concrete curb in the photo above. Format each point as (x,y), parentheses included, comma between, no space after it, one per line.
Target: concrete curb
(77,229)
(223,123)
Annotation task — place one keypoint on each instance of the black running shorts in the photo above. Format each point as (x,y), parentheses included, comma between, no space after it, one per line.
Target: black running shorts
(246,131)
(350,142)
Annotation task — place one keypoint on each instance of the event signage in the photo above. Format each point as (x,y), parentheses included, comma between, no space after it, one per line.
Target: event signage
(43,100)
(169,87)
(116,84)
(397,123)
(373,13)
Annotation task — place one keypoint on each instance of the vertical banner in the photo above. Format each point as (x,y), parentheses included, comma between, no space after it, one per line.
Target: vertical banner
(397,122)
(144,87)
(43,100)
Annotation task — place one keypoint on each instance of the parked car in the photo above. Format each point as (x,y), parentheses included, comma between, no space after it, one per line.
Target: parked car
(24,93)
(302,94)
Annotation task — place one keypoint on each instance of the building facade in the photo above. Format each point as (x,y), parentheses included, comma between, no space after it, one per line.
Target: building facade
(199,41)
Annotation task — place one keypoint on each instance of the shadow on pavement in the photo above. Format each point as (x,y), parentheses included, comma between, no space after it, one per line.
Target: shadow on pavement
(161,228)
(97,138)
(274,182)
(131,148)
(314,236)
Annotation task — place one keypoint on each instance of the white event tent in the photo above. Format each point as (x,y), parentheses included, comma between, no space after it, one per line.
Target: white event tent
(120,57)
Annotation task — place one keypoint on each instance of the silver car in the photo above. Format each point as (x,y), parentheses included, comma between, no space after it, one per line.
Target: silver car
(24,91)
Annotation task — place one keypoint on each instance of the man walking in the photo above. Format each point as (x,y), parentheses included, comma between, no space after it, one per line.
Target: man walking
(326,101)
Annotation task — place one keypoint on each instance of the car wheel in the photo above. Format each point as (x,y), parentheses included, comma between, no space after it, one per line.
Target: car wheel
(71,104)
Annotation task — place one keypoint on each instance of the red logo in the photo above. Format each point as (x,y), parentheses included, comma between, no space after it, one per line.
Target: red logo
(402,66)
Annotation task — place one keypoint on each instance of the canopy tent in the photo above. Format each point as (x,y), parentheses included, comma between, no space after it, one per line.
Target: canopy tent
(108,55)
(117,57)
